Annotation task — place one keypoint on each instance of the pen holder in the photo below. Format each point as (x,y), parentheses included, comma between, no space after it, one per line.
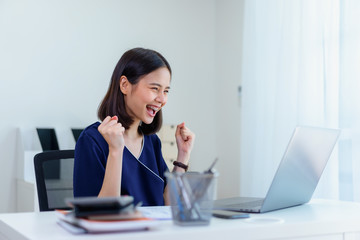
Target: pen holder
(191,197)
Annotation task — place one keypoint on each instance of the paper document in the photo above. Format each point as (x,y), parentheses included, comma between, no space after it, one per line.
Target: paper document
(156,212)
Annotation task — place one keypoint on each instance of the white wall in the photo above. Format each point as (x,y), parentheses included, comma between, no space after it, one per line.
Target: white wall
(57,57)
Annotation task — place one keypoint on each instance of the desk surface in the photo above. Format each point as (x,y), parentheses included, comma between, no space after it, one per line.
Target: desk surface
(324,219)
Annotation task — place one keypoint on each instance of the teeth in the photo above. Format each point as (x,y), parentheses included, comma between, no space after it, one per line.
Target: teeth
(153,108)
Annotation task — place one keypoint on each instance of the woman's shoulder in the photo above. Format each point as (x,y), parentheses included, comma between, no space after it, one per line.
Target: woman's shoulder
(91,131)
(92,127)
(152,137)
(152,140)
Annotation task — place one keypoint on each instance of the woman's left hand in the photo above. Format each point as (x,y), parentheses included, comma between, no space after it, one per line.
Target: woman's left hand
(185,141)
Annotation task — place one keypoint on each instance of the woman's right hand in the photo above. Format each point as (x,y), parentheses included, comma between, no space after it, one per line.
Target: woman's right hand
(113,133)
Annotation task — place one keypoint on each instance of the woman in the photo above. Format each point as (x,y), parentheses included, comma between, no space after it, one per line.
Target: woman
(122,154)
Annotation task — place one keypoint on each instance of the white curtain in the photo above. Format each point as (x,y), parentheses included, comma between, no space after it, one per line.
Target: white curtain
(299,68)
(349,107)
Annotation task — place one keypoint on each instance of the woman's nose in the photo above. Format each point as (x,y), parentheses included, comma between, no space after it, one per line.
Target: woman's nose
(161,97)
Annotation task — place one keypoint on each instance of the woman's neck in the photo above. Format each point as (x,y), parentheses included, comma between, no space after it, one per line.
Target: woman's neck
(133,140)
(132,133)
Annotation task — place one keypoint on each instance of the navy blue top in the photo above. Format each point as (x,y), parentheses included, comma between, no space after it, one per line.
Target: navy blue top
(142,178)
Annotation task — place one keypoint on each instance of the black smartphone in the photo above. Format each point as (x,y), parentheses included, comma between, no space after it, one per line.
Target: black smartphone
(91,206)
(229,214)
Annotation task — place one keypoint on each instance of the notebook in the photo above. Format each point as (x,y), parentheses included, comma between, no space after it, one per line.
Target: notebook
(297,175)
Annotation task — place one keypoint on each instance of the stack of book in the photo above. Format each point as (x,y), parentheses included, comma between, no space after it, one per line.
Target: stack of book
(100,215)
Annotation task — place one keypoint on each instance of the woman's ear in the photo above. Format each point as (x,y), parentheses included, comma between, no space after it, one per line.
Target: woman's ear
(124,85)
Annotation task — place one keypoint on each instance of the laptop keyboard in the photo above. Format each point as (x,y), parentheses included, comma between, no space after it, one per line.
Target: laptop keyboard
(240,204)
(253,206)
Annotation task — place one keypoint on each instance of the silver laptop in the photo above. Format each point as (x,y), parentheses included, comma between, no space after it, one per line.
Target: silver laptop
(297,175)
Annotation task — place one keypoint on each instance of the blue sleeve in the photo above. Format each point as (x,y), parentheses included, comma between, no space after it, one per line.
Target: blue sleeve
(89,165)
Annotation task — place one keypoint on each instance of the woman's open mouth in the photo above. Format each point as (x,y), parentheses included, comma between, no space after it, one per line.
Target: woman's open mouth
(152,110)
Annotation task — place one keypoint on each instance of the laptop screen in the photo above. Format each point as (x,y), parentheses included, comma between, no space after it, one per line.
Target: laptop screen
(301,167)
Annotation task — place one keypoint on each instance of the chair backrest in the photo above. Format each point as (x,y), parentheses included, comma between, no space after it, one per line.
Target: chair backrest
(48,139)
(52,188)
(76,133)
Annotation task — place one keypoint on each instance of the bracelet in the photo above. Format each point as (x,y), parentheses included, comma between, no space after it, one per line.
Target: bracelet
(181,165)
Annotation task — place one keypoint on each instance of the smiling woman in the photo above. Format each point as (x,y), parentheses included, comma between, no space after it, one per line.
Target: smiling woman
(122,154)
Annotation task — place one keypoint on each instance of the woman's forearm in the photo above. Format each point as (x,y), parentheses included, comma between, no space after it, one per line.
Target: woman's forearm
(112,180)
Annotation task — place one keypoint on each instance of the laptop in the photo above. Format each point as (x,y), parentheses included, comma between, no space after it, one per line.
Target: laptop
(297,176)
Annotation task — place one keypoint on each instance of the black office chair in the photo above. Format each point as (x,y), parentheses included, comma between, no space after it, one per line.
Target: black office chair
(54,178)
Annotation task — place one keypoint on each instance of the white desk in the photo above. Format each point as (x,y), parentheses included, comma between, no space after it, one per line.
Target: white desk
(320,219)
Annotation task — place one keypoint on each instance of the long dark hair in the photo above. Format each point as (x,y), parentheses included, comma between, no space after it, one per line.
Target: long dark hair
(133,64)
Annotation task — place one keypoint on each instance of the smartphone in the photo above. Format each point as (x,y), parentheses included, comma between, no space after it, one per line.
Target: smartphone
(90,206)
(229,214)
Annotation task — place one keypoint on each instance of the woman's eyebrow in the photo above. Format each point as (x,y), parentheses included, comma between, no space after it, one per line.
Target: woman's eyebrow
(159,85)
